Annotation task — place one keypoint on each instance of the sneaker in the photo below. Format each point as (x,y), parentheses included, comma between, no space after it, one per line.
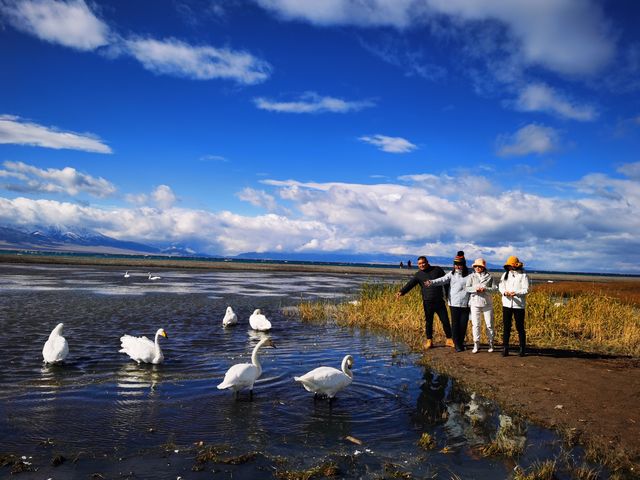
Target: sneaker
(490,348)
(428,344)
(475,348)
(449,343)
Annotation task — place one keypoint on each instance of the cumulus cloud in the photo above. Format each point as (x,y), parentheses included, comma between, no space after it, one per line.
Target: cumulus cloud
(258,198)
(532,138)
(177,58)
(64,181)
(14,130)
(164,196)
(68,23)
(543,98)
(389,144)
(586,228)
(311,102)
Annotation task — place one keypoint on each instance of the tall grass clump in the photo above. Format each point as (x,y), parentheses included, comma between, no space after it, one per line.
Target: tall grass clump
(589,320)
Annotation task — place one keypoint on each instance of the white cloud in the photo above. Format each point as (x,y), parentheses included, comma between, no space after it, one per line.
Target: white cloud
(16,131)
(213,158)
(258,198)
(311,102)
(584,231)
(631,170)
(174,57)
(69,23)
(65,181)
(164,196)
(542,98)
(566,36)
(373,13)
(530,139)
(389,144)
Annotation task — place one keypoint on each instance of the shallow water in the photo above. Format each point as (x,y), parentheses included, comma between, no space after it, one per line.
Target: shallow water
(105,414)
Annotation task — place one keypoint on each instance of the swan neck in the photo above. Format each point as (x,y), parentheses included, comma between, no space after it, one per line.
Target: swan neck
(345,369)
(254,356)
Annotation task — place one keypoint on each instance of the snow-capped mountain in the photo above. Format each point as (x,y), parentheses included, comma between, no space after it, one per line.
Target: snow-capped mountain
(58,238)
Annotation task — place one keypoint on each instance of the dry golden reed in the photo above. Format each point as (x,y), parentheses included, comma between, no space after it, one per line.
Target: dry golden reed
(589,319)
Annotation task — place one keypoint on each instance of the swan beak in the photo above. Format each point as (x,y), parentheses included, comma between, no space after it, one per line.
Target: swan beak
(164,334)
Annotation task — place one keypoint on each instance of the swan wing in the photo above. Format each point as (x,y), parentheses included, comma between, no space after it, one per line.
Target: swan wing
(140,349)
(324,380)
(55,349)
(239,376)
(230,318)
(259,322)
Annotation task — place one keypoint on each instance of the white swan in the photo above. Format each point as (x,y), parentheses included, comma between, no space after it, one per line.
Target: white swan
(126,274)
(328,381)
(258,321)
(230,318)
(154,277)
(141,349)
(55,348)
(243,375)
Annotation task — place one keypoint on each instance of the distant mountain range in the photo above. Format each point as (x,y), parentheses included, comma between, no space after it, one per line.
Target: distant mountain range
(58,238)
(61,239)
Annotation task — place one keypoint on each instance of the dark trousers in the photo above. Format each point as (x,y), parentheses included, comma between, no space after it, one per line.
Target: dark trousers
(518,315)
(439,309)
(459,322)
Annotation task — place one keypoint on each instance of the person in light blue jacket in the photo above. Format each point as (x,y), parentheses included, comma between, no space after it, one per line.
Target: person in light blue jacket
(457,298)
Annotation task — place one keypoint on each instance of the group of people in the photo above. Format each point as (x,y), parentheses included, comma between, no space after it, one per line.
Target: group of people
(470,295)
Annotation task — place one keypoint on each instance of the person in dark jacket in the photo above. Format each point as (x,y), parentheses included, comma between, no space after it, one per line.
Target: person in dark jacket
(432,299)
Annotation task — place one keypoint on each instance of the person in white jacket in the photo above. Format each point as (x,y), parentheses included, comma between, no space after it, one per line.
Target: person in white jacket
(480,285)
(514,286)
(457,298)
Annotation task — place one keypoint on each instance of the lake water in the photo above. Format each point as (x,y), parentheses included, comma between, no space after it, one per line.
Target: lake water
(101,413)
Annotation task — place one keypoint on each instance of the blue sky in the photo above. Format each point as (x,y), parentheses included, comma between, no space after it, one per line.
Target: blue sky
(399,126)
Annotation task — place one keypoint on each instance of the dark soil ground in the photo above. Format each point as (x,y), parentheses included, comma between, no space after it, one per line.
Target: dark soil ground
(590,399)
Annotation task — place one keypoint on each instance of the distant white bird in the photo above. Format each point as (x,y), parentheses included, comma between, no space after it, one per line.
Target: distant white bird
(243,375)
(55,348)
(126,274)
(141,349)
(258,321)
(154,277)
(328,381)
(230,318)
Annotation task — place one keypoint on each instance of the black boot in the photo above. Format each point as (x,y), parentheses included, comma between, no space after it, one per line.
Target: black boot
(505,352)
(523,345)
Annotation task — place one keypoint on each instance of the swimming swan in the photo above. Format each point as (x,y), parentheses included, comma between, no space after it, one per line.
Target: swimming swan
(243,375)
(328,381)
(230,318)
(126,274)
(141,349)
(55,348)
(155,277)
(258,321)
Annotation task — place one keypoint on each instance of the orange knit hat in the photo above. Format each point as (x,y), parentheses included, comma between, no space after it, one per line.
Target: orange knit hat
(514,262)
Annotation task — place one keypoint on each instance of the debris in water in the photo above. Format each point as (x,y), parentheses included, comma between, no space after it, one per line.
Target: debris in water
(353,440)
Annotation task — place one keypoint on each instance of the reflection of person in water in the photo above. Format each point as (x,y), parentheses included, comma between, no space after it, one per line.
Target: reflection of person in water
(432,401)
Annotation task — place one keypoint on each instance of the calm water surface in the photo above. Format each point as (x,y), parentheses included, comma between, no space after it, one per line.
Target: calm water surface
(105,414)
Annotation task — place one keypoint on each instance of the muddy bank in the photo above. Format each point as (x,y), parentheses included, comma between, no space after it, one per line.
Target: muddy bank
(590,399)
